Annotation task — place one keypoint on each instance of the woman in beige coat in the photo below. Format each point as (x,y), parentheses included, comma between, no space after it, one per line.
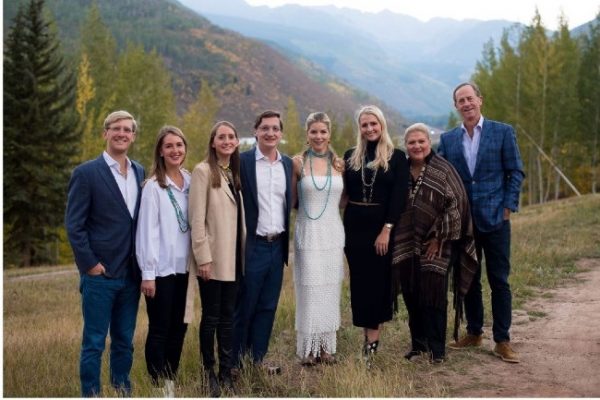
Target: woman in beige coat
(216,215)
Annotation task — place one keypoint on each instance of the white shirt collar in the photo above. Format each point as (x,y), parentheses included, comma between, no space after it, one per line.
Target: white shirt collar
(186,182)
(260,156)
(112,162)
(479,125)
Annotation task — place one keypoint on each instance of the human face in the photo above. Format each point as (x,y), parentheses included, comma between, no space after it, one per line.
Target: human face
(418,146)
(225,142)
(119,136)
(318,137)
(370,128)
(468,104)
(268,134)
(173,151)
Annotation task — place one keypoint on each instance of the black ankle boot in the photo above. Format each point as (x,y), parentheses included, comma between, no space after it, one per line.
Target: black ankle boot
(214,389)
(226,380)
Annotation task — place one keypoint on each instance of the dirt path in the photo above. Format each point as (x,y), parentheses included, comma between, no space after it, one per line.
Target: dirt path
(560,351)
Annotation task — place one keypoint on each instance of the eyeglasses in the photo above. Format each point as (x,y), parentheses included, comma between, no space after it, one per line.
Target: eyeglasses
(120,129)
(267,128)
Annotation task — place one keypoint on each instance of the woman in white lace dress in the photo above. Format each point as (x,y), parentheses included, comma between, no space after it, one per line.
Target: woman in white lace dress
(318,244)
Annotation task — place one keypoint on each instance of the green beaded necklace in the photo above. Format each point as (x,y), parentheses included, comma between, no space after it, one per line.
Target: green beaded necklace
(326,185)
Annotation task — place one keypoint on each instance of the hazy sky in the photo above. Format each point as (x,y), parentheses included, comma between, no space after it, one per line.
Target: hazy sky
(576,11)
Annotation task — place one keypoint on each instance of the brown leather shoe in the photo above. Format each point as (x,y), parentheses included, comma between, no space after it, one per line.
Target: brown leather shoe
(506,353)
(467,341)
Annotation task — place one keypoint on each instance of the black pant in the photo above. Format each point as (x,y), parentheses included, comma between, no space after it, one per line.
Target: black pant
(166,329)
(427,323)
(218,304)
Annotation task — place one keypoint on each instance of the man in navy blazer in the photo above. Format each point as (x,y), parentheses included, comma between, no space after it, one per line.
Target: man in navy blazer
(266,181)
(101,219)
(486,156)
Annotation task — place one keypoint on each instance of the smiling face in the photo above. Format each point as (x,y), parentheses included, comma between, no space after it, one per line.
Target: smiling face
(318,136)
(418,146)
(268,134)
(173,151)
(119,136)
(370,127)
(468,104)
(225,142)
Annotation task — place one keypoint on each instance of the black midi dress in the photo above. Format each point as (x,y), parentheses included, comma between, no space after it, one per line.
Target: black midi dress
(370,276)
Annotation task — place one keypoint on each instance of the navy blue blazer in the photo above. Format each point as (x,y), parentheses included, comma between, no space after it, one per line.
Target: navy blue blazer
(99,225)
(496,182)
(249,186)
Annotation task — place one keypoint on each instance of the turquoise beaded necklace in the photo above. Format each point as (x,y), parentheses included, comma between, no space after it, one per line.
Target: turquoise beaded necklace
(184,226)
(326,185)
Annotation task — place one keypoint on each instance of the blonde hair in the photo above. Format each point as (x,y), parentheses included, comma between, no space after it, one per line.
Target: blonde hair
(418,127)
(117,116)
(385,147)
(319,116)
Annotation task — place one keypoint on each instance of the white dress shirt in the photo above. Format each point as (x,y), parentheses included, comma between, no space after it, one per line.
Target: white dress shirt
(471,144)
(128,184)
(161,248)
(270,185)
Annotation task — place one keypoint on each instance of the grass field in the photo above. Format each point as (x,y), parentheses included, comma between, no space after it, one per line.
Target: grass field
(42,326)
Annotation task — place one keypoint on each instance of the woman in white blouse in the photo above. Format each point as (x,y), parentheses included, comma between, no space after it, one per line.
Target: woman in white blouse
(162,249)
(218,236)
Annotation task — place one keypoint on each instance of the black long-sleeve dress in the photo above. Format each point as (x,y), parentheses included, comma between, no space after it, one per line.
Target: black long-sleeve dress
(370,283)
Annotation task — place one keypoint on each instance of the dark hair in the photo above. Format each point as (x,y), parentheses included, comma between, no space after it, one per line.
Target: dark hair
(234,161)
(159,168)
(472,84)
(268,114)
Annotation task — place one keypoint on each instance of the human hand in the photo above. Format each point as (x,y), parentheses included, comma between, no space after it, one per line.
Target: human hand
(507,214)
(382,242)
(98,269)
(433,246)
(204,271)
(148,288)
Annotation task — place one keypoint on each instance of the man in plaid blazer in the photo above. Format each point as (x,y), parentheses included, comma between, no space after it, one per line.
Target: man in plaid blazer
(486,156)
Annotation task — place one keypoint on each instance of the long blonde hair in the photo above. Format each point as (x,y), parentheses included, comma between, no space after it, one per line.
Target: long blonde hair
(385,147)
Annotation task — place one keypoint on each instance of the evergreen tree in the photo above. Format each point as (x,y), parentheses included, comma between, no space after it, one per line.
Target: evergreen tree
(343,137)
(197,122)
(453,120)
(41,136)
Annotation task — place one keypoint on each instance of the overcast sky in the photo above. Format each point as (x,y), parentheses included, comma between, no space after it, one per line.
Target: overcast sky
(576,11)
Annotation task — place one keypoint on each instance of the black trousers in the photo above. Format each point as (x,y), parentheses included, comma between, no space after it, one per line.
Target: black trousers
(427,323)
(218,305)
(166,329)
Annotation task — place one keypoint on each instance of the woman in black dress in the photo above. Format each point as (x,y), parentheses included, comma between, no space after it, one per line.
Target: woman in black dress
(376,181)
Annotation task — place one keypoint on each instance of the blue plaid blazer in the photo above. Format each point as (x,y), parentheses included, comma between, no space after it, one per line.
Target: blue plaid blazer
(496,182)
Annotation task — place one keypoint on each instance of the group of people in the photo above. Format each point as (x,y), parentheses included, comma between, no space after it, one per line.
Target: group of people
(410,221)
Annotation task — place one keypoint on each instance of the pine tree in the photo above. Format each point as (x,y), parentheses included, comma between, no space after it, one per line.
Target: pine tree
(41,136)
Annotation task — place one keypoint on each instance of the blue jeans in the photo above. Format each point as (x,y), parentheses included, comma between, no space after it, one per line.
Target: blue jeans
(107,304)
(257,300)
(495,246)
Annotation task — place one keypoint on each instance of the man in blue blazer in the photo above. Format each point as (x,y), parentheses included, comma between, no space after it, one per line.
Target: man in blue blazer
(101,218)
(266,178)
(486,156)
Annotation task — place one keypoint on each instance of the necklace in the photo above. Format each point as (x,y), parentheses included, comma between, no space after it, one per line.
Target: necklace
(327,183)
(366,185)
(184,226)
(414,189)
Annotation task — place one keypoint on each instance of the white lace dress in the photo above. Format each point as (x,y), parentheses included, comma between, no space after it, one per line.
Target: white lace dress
(318,265)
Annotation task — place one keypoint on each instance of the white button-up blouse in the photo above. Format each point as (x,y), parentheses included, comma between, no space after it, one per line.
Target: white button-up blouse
(161,247)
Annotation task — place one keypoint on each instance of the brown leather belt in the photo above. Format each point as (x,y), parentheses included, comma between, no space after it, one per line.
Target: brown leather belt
(270,238)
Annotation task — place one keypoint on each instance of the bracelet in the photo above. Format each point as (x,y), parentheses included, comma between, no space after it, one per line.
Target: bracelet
(388,225)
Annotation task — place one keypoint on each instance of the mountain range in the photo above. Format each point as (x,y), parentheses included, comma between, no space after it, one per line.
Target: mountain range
(246,75)
(411,65)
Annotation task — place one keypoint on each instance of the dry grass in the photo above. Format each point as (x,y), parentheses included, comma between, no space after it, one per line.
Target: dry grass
(42,327)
